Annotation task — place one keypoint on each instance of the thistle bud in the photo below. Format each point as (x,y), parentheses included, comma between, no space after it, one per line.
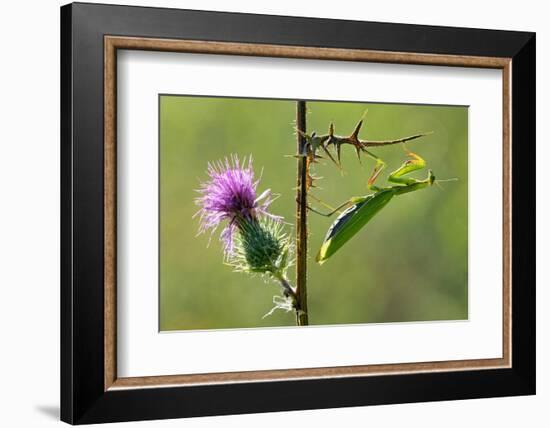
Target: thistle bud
(261,246)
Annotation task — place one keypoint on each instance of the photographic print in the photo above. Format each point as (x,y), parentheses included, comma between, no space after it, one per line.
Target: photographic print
(277,212)
(332,194)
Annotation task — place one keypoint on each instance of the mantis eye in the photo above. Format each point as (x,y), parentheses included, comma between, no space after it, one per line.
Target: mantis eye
(313,134)
(432,177)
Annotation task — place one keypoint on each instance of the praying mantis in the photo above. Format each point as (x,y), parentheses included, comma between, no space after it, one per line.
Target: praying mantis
(361,209)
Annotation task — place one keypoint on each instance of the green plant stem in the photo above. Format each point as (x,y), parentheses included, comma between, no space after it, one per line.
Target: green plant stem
(301,219)
(287,288)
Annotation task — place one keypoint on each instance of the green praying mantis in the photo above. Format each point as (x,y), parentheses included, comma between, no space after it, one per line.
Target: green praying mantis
(361,209)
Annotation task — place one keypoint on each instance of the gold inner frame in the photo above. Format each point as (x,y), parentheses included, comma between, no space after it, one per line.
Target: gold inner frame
(112,43)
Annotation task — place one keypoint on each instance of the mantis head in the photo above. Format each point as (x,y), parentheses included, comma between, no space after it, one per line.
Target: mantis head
(431,177)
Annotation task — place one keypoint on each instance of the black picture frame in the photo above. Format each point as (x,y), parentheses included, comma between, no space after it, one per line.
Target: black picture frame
(83,396)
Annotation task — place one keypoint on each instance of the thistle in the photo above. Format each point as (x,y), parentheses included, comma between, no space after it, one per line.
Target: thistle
(261,247)
(253,239)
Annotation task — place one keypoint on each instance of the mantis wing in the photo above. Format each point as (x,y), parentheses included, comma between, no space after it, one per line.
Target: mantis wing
(351,221)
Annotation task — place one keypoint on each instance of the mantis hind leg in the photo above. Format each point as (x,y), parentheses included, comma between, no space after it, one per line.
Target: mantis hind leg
(332,210)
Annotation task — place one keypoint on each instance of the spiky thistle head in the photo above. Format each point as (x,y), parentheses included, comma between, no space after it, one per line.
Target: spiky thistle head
(230,195)
(263,247)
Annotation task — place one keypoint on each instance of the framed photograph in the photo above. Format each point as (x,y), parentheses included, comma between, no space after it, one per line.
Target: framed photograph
(265,213)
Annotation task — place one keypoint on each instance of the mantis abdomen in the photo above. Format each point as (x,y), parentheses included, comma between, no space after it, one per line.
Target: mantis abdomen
(351,221)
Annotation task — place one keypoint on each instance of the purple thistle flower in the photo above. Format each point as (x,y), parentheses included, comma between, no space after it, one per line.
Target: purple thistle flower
(230,195)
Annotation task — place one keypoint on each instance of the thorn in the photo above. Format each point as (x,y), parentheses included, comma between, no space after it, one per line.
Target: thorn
(355,133)
(331,158)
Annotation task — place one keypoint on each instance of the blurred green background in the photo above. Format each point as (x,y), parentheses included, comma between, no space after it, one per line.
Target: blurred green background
(410,263)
